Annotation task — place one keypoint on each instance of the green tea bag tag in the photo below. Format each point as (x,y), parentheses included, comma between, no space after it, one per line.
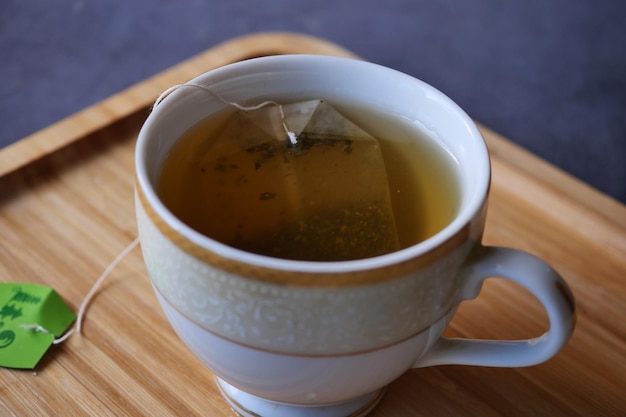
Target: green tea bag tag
(31,317)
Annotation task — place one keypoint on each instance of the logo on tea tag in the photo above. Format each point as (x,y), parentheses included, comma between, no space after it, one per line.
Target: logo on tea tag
(31,317)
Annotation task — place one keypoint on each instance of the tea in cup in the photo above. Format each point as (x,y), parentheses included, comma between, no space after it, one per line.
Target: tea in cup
(256,249)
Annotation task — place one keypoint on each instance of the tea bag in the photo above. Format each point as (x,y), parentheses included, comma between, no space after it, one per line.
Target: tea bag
(299,181)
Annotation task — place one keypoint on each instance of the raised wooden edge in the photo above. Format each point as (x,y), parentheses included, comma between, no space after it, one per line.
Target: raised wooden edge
(143,94)
(564,190)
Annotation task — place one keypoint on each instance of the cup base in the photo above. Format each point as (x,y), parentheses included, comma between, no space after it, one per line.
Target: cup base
(248,405)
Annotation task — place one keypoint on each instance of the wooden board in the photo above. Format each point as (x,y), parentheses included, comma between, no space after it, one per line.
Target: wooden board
(66,210)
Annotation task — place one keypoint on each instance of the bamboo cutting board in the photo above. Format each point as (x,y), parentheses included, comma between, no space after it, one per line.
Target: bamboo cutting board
(66,211)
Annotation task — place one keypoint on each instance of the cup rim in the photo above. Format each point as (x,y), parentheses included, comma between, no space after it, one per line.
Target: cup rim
(199,245)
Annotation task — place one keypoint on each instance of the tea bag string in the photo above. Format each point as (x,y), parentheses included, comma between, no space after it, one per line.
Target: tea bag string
(80,316)
(88,298)
(293,138)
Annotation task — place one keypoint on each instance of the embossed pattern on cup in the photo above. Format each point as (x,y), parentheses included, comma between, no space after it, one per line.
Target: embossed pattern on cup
(299,319)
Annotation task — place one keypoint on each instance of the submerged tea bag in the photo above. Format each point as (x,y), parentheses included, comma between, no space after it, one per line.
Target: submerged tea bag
(295,181)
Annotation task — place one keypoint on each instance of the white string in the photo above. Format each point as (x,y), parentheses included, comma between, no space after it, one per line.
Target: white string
(92,292)
(35,327)
(291,135)
(83,307)
(214,94)
(96,286)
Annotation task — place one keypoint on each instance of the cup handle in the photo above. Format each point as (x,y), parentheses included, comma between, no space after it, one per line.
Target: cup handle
(536,276)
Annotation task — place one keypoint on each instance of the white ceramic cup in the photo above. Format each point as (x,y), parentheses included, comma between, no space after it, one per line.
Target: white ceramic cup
(323,339)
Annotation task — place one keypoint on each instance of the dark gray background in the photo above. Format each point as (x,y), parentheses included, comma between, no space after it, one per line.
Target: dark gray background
(548,74)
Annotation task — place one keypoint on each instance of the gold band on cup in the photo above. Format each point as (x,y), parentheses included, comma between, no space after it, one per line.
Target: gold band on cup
(309,279)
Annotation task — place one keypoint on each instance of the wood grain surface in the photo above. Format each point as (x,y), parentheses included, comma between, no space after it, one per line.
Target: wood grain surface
(66,211)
